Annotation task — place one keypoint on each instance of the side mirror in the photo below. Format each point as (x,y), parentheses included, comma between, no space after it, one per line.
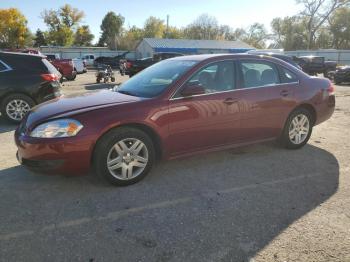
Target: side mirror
(192,89)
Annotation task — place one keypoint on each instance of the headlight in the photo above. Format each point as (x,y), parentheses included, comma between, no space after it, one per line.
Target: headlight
(57,128)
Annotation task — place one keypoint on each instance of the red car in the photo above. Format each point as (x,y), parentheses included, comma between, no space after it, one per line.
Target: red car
(175,108)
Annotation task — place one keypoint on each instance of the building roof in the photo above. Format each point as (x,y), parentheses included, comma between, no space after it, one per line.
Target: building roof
(196,44)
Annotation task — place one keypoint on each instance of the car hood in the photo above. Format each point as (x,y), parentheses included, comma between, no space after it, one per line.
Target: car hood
(69,105)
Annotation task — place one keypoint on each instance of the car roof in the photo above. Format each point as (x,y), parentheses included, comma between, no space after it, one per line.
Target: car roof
(225,56)
(4,54)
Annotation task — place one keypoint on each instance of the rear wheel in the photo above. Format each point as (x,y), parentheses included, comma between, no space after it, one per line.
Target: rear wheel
(72,77)
(14,107)
(298,129)
(124,156)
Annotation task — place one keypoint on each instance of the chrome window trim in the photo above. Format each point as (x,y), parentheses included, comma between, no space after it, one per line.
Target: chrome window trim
(238,89)
(7,67)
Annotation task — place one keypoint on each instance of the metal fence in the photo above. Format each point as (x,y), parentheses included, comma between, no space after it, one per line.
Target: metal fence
(70,53)
(341,56)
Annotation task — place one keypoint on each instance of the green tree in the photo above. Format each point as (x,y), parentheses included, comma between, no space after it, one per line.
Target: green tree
(111,28)
(130,38)
(83,36)
(339,26)
(203,27)
(13,28)
(289,33)
(256,36)
(154,28)
(39,39)
(62,23)
(316,13)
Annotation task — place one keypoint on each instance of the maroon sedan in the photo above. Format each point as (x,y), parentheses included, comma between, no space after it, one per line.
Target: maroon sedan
(177,107)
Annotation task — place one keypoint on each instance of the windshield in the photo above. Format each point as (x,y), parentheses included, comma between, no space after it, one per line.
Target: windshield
(152,81)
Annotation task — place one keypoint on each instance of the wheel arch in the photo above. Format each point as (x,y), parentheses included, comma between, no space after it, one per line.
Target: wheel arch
(309,108)
(140,126)
(12,92)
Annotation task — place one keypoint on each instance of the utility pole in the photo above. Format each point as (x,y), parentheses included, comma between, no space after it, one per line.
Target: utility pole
(167,26)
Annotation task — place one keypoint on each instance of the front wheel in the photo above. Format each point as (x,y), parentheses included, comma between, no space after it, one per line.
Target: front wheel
(297,130)
(124,156)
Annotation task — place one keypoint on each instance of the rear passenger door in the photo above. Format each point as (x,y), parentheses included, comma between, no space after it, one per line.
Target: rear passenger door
(266,100)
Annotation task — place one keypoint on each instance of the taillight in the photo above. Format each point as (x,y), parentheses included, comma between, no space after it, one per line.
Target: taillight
(331,89)
(49,77)
(128,64)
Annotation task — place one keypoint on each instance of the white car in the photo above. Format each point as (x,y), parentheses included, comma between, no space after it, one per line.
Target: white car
(79,65)
(89,59)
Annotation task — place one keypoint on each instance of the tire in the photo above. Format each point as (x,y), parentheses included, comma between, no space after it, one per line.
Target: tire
(112,79)
(98,80)
(71,77)
(105,151)
(302,133)
(25,103)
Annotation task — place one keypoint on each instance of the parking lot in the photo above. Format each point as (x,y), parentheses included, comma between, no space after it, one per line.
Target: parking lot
(257,203)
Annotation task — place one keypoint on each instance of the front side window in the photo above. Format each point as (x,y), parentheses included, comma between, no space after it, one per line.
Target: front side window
(256,74)
(216,77)
(152,81)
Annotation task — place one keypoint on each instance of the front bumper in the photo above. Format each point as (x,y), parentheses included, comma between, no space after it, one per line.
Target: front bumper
(66,156)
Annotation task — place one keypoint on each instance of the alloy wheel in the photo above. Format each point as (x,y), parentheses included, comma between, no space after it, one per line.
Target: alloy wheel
(127,159)
(16,109)
(299,129)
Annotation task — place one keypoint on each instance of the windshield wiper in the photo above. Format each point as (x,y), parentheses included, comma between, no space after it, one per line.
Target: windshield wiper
(126,92)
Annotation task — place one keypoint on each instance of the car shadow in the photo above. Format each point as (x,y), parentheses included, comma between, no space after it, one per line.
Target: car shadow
(232,204)
(6,126)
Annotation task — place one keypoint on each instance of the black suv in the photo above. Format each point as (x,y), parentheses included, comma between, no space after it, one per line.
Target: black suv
(25,80)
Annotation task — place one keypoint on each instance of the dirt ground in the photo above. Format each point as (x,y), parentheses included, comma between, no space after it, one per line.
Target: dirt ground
(257,203)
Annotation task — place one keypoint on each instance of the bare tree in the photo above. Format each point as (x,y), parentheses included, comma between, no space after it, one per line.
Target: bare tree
(317,13)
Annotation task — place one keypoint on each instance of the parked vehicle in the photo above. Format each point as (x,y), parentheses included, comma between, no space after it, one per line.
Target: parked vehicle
(175,108)
(283,57)
(131,68)
(79,66)
(314,65)
(112,61)
(89,59)
(105,73)
(25,80)
(341,74)
(64,66)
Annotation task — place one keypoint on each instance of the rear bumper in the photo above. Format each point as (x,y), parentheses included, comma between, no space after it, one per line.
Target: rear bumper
(325,110)
(64,156)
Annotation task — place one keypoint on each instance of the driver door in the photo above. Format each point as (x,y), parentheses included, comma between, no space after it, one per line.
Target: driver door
(209,120)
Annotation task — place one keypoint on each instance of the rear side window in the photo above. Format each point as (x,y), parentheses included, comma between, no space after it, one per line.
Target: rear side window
(259,74)
(50,67)
(288,76)
(25,63)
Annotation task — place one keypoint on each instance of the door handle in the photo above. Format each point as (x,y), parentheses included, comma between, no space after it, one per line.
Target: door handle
(230,101)
(284,93)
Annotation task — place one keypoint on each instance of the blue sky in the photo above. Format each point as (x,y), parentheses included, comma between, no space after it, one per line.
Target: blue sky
(182,12)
